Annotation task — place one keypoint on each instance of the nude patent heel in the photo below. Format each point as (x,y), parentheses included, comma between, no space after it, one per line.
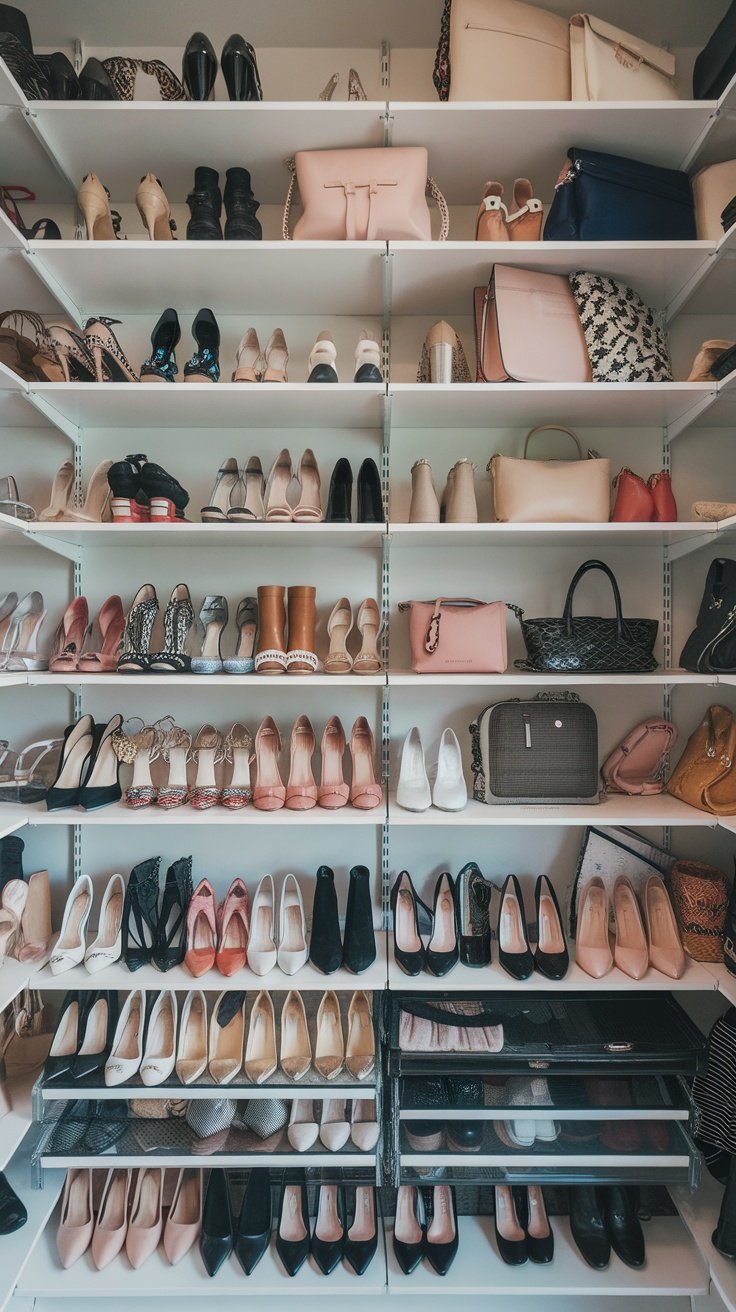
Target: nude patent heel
(154,209)
(93,199)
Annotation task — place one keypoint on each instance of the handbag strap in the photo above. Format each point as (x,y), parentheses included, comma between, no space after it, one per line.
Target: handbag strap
(584,568)
(286,220)
(553,428)
(432,190)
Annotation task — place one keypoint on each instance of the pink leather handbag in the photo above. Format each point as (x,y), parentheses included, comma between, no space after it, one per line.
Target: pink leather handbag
(457,635)
(528,329)
(365,194)
(637,765)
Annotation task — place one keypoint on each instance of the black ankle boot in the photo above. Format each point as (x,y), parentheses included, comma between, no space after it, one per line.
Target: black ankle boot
(359,947)
(205,206)
(325,946)
(241,206)
(11,858)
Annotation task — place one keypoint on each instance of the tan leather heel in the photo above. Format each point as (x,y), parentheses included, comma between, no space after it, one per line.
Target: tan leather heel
(592,944)
(270,655)
(630,950)
(154,209)
(492,218)
(525,224)
(301,657)
(93,200)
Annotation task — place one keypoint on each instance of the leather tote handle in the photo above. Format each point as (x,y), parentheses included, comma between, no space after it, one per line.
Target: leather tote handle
(432,638)
(588,565)
(553,428)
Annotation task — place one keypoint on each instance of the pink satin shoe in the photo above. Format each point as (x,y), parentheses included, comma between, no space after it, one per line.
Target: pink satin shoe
(365,792)
(201,931)
(233,927)
(70,636)
(111,624)
(269,793)
(333,792)
(301,790)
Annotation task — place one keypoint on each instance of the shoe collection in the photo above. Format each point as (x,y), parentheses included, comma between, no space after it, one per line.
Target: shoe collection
(425,1228)
(148,1040)
(143,924)
(448,791)
(459,927)
(222,775)
(645,930)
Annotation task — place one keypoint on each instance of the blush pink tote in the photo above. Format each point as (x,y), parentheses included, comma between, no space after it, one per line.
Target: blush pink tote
(528,329)
(457,635)
(637,765)
(364,194)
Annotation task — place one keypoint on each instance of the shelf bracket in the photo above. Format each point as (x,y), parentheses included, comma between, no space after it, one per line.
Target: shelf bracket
(386,64)
(54,286)
(688,417)
(54,416)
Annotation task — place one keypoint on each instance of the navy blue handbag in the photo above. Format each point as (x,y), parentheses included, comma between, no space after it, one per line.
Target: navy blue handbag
(716,63)
(611,198)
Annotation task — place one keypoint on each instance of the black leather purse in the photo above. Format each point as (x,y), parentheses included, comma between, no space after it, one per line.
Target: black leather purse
(716,63)
(611,198)
(711,647)
(588,644)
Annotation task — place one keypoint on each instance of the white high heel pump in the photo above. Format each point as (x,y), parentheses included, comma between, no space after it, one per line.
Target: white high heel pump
(105,949)
(69,948)
(449,792)
(126,1053)
(262,952)
(160,1053)
(292,950)
(413,792)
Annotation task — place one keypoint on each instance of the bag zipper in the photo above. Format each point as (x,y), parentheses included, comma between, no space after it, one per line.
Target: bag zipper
(595,170)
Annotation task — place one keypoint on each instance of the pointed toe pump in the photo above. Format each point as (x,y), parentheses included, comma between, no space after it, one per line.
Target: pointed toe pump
(216,1235)
(361,1241)
(334,1127)
(199,67)
(184,1221)
(111,1223)
(201,931)
(365,792)
(233,927)
(441,1237)
(329,1051)
(269,792)
(510,1234)
(413,792)
(292,949)
(409,950)
(360,1053)
(204,365)
(70,637)
(253,1231)
(514,952)
(663,940)
(106,948)
(262,951)
(260,1060)
(592,942)
(630,942)
(159,1054)
(101,785)
(333,792)
(160,366)
(328,1239)
(192,1050)
(240,69)
(409,1233)
(295,1052)
(442,949)
(322,360)
(154,209)
(76,753)
(126,1052)
(449,790)
(303,1129)
(292,1232)
(227,1035)
(301,790)
(70,946)
(551,957)
(77,1219)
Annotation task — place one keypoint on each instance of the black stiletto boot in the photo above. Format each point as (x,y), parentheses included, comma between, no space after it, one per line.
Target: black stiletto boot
(341,494)
(359,947)
(161,363)
(370,501)
(240,69)
(204,365)
(205,206)
(199,67)
(170,941)
(11,859)
(140,914)
(325,946)
(95,82)
(241,206)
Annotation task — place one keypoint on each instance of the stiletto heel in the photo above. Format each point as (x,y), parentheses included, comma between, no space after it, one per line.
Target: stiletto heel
(592,943)
(277,485)
(93,199)
(329,88)
(178,620)
(100,1021)
(255,488)
(322,358)
(140,914)
(223,493)
(213,617)
(269,793)
(442,949)
(248,368)
(154,209)
(201,930)
(139,749)
(136,658)
(20,646)
(361,1241)
(360,1053)
(160,367)
(35,923)
(363,1124)
(292,1232)
(159,1053)
(237,793)
(630,942)
(170,940)
(74,357)
(409,1235)
(368,624)
(70,637)
(233,929)
(333,792)
(514,952)
(355,86)
(227,1032)
(260,1060)
(329,1049)
(303,1129)
(262,952)
(191,1055)
(365,792)
(276,358)
(79,740)
(111,1225)
(449,791)
(207,752)
(184,1222)
(70,946)
(308,509)
(338,660)
(106,948)
(246,623)
(176,746)
(76,1219)
(107,353)
(367,359)
(295,1053)
(292,949)
(101,786)
(111,625)
(551,956)
(663,939)
(146,1215)
(62,494)
(204,364)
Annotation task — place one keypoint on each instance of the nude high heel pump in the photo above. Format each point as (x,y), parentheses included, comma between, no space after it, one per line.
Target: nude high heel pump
(62,494)
(184,1221)
(93,199)
(301,790)
(111,625)
(338,660)
(322,360)
(630,945)
(424,507)
(308,509)
(333,792)
(249,362)
(70,637)
(260,1060)
(262,951)
(227,1034)
(146,1215)
(368,622)
(277,486)
(35,922)
(269,793)
(363,1124)
(154,209)
(360,1053)
(663,940)
(592,944)
(295,1054)
(365,792)
(77,1219)
(233,928)
(191,1053)
(329,1052)
(525,224)
(111,1224)
(492,219)
(276,359)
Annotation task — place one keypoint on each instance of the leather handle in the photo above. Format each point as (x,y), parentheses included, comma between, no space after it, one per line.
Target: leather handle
(584,568)
(553,428)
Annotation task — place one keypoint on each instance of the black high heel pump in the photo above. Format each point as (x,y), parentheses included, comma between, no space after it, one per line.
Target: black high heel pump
(240,69)
(170,940)
(370,500)
(340,494)
(139,927)
(199,67)
(204,365)
(161,363)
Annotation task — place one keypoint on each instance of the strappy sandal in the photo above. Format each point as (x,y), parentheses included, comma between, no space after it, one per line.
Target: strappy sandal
(107,353)
(176,749)
(32,357)
(208,751)
(10,502)
(140,749)
(238,753)
(309,507)
(338,660)
(170,942)
(255,488)
(368,624)
(140,914)
(246,622)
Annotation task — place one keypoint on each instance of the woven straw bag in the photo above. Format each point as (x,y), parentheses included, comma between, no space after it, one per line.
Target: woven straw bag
(700,898)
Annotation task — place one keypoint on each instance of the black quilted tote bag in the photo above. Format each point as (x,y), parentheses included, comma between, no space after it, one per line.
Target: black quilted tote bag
(589,644)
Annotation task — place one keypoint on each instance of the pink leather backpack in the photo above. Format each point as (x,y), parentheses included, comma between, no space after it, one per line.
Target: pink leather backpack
(637,765)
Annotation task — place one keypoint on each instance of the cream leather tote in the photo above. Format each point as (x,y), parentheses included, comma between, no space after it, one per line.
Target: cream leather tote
(507,50)
(610,64)
(551,491)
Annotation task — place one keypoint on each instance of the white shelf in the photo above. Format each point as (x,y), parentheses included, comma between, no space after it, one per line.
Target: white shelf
(188,1279)
(211,405)
(512,678)
(437,278)
(496,405)
(244,278)
(513,1159)
(44,679)
(12,818)
(227,1161)
(39,1204)
(538,134)
(15,1123)
(13,979)
(148,978)
(699,1210)
(181,816)
(688,534)
(316,1091)
(673,1266)
(696,979)
(62,536)
(613,809)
